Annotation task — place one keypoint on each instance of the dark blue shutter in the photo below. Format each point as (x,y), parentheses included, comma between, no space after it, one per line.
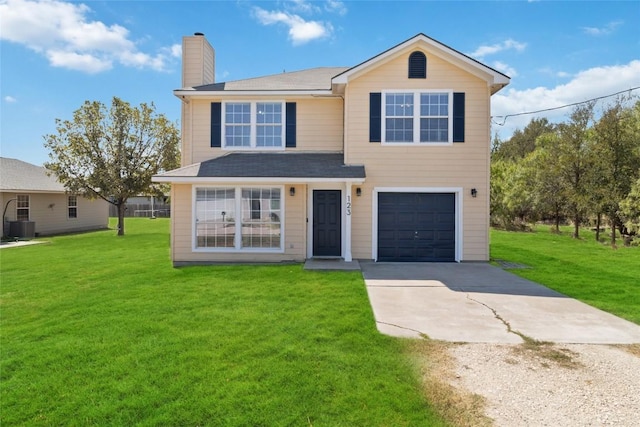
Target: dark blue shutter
(290,128)
(417,66)
(458,117)
(216,124)
(375,117)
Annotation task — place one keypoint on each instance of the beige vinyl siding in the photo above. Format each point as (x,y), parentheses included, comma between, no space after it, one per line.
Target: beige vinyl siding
(464,165)
(182,230)
(198,66)
(50,214)
(318,126)
(186,145)
(200,131)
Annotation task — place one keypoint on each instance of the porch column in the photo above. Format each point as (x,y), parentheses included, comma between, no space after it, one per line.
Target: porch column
(347,223)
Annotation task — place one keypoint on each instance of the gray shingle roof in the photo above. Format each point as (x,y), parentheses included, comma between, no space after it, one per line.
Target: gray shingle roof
(311,79)
(271,165)
(16,175)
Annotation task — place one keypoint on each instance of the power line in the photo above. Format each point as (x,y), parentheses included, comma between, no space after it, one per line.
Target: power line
(562,106)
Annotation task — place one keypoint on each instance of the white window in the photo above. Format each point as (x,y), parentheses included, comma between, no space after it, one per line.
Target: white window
(22,207)
(237,124)
(417,117)
(253,124)
(238,218)
(72,207)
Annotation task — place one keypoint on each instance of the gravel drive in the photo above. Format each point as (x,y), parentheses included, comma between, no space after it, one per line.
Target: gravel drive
(524,389)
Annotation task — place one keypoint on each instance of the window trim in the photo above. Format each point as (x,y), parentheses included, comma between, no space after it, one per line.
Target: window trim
(70,206)
(238,209)
(21,208)
(416,118)
(253,132)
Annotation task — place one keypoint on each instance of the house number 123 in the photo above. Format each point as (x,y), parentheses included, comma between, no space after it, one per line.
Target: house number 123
(348,205)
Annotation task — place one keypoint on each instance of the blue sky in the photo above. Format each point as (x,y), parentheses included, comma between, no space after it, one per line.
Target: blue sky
(57,54)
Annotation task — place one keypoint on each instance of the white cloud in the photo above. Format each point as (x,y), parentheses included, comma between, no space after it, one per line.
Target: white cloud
(549,71)
(63,33)
(602,31)
(588,84)
(300,31)
(336,6)
(10,99)
(78,61)
(508,44)
(302,6)
(176,50)
(505,68)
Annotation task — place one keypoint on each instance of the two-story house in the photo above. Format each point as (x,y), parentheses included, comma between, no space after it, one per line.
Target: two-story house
(387,160)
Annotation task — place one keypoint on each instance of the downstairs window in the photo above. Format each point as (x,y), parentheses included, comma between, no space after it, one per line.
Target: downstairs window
(238,218)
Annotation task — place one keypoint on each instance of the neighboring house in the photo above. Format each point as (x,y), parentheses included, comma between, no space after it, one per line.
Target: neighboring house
(387,160)
(29,194)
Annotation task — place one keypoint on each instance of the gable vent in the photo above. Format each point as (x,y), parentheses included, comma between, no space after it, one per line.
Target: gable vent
(417,66)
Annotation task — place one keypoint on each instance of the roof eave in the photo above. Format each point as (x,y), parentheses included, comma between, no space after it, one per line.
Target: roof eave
(498,77)
(31,190)
(181,93)
(247,180)
(497,86)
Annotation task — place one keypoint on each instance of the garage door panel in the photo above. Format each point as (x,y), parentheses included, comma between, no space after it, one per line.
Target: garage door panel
(404,234)
(425,253)
(426,218)
(425,237)
(386,235)
(416,227)
(445,235)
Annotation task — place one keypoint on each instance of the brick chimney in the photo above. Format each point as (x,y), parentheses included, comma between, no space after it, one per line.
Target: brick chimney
(198,61)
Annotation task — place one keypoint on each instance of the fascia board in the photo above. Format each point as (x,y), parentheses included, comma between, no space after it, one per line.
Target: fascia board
(32,191)
(251,180)
(213,94)
(439,49)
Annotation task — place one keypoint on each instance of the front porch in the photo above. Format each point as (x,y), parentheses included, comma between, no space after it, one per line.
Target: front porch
(331,264)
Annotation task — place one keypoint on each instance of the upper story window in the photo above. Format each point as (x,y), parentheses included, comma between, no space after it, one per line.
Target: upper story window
(22,207)
(417,117)
(253,125)
(72,207)
(417,66)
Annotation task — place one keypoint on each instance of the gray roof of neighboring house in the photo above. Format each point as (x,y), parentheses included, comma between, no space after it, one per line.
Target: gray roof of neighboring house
(16,176)
(271,165)
(311,79)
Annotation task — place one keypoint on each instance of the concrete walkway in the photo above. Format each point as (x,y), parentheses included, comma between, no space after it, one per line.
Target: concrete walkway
(20,243)
(477,302)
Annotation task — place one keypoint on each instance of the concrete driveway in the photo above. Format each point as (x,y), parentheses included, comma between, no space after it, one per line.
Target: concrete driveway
(477,302)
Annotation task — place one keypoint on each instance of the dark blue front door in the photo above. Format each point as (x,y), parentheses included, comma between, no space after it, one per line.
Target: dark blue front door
(327,227)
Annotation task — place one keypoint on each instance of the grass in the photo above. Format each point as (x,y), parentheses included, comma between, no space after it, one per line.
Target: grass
(101,330)
(592,272)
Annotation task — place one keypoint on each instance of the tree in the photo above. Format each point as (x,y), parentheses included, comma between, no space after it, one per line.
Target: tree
(511,202)
(630,209)
(522,142)
(617,165)
(548,188)
(112,154)
(576,158)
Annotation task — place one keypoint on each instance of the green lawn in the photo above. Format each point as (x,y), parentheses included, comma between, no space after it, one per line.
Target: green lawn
(101,330)
(584,269)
